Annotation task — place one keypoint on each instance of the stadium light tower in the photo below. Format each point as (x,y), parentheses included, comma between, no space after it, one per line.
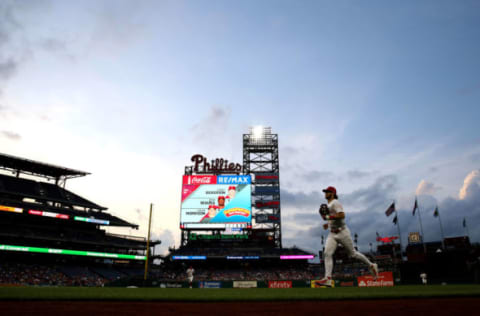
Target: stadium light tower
(260,160)
(257,132)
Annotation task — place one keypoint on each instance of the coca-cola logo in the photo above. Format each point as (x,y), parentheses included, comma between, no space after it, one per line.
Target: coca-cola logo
(201,180)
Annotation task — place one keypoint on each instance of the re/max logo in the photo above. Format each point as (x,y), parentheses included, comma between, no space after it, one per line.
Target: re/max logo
(234,180)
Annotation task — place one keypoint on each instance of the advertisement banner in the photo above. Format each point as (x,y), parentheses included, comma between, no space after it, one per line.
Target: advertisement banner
(280,284)
(11,209)
(267,178)
(267,204)
(244,284)
(384,279)
(267,218)
(70,252)
(345,283)
(267,190)
(209,285)
(171,285)
(209,200)
(414,238)
(315,284)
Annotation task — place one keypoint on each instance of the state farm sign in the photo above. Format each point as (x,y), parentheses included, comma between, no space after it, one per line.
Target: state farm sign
(384,279)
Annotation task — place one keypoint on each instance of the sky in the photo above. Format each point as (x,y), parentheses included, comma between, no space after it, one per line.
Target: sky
(377,98)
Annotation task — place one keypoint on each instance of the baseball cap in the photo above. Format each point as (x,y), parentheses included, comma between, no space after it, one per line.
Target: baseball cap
(231,188)
(221,197)
(330,189)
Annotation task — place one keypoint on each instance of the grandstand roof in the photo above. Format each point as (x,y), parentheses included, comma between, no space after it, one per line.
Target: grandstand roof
(42,191)
(22,165)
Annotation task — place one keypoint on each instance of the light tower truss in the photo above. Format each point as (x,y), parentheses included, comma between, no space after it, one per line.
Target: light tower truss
(260,160)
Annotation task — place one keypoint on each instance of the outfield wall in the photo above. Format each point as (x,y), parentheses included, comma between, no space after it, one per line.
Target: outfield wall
(385,279)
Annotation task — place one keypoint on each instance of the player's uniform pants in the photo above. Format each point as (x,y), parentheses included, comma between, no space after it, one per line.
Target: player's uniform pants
(345,239)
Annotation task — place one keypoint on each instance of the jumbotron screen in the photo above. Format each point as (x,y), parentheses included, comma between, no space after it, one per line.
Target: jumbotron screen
(211,201)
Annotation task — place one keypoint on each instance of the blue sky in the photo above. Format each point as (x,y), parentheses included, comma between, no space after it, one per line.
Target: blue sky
(378,98)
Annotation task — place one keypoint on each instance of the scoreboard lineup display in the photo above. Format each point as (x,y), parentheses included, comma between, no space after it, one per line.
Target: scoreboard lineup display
(211,201)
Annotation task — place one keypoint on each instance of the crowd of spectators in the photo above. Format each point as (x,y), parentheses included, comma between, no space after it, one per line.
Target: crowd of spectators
(57,275)
(44,275)
(251,274)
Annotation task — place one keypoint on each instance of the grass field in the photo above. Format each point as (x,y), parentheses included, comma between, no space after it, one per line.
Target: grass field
(294,294)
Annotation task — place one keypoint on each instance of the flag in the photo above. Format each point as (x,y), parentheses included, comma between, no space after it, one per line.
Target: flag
(415,207)
(464,222)
(390,210)
(395,219)
(435,213)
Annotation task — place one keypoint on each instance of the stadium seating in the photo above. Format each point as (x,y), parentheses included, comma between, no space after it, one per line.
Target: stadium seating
(14,273)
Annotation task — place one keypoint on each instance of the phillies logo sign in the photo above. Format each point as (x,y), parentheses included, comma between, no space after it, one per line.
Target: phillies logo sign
(218,165)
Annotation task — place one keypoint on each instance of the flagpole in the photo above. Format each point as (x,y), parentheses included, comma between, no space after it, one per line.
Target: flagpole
(421,227)
(399,234)
(441,229)
(466,227)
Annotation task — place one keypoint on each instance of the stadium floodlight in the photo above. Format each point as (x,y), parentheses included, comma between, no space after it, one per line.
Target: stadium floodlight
(260,135)
(258,132)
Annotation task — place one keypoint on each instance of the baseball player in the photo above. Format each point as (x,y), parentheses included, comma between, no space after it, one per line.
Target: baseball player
(190,272)
(423,276)
(339,233)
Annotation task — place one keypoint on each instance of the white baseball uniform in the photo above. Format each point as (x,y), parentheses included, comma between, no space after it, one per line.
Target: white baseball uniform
(423,276)
(339,233)
(190,272)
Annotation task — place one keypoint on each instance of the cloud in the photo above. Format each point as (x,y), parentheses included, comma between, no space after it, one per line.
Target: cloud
(426,188)
(11,135)
(166,237)
(381,191)
(142,216)
(13,47)
(357,174)
(364,208)
(373,197)
(300,200)
(374,200)
(53,44)
(16,47)
(316,175)
(210,131)
(8,68)
(470,185)
(290,150)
